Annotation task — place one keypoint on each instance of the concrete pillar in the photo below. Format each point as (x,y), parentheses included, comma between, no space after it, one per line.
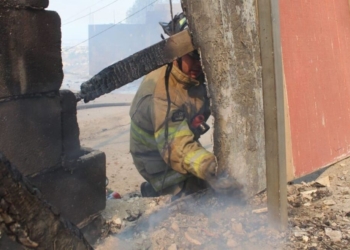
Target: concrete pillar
(229,44)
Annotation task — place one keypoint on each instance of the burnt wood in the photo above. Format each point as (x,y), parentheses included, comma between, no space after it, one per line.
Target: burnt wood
(25,218)
(136,66)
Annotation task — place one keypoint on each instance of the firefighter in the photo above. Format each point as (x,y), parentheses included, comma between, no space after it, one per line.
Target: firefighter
(168,116)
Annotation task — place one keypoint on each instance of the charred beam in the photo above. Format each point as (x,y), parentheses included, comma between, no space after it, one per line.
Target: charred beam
(136,66)
(28,220)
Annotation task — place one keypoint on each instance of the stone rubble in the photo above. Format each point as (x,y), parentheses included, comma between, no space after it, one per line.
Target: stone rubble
(319,218)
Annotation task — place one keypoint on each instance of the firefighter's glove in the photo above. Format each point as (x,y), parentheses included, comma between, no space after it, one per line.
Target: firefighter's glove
(220,181)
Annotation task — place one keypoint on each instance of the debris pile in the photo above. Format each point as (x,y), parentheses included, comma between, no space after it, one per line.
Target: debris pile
(202,221)
(320,213)
(319,218)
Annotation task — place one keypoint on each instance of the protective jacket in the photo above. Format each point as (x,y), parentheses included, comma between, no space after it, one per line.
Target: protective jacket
(151,146)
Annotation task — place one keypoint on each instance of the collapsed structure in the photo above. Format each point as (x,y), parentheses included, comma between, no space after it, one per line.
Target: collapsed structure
(39,130)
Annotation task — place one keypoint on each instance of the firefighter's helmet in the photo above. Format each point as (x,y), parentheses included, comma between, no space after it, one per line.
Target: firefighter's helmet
(178,24)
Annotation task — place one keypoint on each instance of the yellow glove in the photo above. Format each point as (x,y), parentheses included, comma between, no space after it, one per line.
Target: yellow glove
(221,182)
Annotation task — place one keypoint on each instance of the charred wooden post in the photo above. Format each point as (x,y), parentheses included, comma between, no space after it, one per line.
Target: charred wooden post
(136,66)
(31,222)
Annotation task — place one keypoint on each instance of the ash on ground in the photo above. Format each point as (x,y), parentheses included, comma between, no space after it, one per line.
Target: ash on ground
(319,218)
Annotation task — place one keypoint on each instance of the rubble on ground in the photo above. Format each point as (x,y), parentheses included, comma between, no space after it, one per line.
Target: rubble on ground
(318,215)
(319,218)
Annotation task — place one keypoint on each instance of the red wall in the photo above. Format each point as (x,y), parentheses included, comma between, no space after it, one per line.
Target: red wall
(316,55)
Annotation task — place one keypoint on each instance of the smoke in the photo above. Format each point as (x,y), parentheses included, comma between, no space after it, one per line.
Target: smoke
(110,43)
(206,220)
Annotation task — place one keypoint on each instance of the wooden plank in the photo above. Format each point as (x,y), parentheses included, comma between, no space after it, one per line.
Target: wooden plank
(177,46)
(274,113)
(136,66)
(289,150)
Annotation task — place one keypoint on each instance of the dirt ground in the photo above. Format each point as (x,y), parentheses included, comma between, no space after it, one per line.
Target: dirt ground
(319,211)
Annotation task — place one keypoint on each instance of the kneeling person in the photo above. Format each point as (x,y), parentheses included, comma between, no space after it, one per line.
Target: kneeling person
(168,116)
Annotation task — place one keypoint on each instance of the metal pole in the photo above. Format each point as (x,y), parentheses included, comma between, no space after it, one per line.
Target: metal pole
(274,113)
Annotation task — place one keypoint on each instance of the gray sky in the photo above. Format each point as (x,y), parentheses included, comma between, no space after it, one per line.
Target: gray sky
(77,31)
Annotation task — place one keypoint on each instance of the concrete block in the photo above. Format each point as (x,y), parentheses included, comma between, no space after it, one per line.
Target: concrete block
(78,191)
(30,52)
(30,134)
(37,4)
(70,128)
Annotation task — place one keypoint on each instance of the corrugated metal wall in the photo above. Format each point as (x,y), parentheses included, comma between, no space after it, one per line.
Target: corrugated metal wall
(316,55)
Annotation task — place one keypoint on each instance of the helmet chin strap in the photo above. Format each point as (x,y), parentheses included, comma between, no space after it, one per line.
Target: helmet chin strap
(179,63)
(166,132)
